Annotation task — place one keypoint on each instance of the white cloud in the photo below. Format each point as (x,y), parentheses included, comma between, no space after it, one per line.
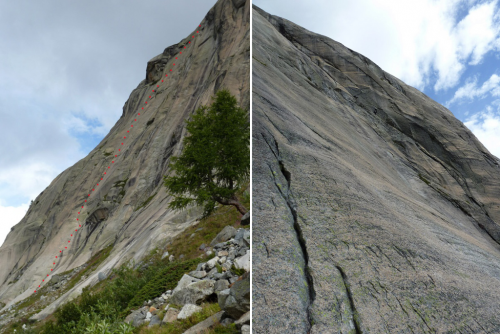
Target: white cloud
(423,42)
(10,216)
(471,91)
(486,126)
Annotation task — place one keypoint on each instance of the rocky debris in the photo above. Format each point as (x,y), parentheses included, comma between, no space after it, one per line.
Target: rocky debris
(206,324)
(59,281)
(227,233)
(210,282)
(188,310)
(245,220)
(245,329)
(236,300)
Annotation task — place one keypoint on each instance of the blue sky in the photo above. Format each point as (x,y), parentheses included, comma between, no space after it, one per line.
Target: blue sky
(449,49)
(67,69)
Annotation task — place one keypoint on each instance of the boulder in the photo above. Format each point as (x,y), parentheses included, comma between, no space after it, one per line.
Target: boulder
(188,310)
(55,279)
(164,255)
(170,315)
(227,233)
(199,274)
(243,320)
(136,318)
(184,282)
(243,262)
(171,258)
(245,220)
(221,284)
(202,247)
(155,320)
(245,329)
(206,324)
(236,301)
(101,276)
(194,293)
(211,263)
(242,237)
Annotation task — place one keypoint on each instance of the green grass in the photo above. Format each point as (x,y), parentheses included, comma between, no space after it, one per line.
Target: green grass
(210,227)
(166,279)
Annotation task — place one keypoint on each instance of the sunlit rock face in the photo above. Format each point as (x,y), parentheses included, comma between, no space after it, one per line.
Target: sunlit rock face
(374,209)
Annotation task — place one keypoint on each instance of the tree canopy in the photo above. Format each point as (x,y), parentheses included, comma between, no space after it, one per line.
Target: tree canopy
(215,160)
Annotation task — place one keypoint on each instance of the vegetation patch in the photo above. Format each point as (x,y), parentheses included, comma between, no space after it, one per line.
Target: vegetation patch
(166,279)
(145,203)
(259,61)
(208,228)
(421,177)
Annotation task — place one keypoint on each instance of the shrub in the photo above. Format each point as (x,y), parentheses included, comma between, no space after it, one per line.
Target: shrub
(166,279)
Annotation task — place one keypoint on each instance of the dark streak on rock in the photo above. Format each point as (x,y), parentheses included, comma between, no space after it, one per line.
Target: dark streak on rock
(355,319)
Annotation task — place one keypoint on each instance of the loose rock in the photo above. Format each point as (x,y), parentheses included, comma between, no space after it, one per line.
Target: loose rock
(188,310)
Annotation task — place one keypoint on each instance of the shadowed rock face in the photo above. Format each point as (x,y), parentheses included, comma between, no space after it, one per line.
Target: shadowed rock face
(129,207)
(374,209)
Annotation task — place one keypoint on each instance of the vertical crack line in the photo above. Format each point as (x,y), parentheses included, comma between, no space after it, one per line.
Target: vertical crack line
(354,313)
(298,231)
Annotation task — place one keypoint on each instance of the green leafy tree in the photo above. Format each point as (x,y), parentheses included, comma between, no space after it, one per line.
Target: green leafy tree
(215,160)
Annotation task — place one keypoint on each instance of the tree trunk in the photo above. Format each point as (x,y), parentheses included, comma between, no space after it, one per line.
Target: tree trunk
(232,201)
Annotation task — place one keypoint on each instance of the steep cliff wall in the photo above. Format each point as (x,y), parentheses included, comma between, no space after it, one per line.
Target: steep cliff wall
(127,206)
(374,209)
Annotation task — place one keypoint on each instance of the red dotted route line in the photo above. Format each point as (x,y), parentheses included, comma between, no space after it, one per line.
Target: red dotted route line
(102,178)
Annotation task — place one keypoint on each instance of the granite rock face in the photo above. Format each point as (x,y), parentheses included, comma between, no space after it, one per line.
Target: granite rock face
(374,209)
(129,207)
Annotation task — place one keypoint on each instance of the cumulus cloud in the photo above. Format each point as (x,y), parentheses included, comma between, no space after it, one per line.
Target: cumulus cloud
(426,43)
(470,90)
(486,126)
